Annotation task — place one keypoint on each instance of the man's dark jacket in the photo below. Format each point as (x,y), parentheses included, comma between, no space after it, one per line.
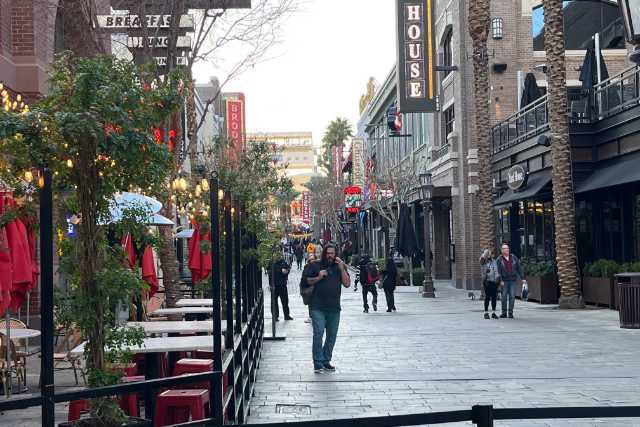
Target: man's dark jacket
(516,270)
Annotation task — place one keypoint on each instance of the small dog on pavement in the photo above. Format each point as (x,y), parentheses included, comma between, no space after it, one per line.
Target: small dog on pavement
(525,291)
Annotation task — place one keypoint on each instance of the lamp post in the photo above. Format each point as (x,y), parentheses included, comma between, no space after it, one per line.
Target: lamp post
(630,10)
(426,192)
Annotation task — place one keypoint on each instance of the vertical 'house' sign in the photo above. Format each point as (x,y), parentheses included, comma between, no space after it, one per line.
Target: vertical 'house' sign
(416,56)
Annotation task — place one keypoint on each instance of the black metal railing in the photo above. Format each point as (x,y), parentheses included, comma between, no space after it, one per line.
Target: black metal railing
(616,94)
(245,323)
(480,415)
(606,99)
(530,121)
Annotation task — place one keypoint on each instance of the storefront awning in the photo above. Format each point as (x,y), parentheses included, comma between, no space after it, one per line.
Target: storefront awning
(619,171)
(535,182)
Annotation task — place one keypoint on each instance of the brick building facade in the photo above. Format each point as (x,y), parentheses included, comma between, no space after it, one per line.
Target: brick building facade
(515,48)
(513,52)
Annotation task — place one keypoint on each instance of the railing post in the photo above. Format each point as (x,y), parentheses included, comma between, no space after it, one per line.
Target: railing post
(482,415)
(216,379)
(46,306)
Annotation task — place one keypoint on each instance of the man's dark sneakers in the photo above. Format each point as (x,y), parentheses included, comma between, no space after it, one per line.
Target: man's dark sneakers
(277,319)
(388,310)
(494,316)
(510,315)
(375,307)
(486,316)
(366,310)
(318,369)
(329,367)
(503,316)
(288,318)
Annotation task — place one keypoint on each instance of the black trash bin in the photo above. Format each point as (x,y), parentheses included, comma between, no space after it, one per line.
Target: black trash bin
(629,300)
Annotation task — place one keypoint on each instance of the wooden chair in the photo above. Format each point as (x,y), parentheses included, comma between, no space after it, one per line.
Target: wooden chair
(15,364)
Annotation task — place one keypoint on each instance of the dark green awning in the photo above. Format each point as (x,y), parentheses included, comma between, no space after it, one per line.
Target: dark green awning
(535,182)
(622,170)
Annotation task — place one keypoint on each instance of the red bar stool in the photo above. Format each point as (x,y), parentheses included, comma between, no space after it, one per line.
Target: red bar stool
(172,406)
(76,407)
(129,402)
(193,366)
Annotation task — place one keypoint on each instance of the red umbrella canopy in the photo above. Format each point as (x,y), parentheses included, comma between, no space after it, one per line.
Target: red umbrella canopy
(199,262)
(127,245)
(149,270)
(5,265)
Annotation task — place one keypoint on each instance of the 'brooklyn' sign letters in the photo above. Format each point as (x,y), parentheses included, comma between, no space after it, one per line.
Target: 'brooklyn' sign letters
(416,56)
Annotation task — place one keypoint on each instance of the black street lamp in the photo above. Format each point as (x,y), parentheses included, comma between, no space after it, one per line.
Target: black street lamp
(630,10)
(426,193)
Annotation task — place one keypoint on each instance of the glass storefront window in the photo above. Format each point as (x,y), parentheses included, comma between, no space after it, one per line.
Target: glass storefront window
(549,249)
(612,227)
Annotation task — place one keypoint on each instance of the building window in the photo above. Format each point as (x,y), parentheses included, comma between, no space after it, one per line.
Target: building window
(583,19)
(449,123)
(447,54)
(497,28)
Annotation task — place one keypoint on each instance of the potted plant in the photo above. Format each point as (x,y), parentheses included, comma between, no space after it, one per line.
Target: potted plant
(542,280)
(96,132)
(598,283)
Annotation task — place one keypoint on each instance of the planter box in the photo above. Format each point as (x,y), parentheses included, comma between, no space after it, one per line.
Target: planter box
(543,289)
(87,422)
(599,291)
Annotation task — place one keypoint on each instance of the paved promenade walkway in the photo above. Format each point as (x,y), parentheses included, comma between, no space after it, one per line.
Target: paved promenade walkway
(440,354)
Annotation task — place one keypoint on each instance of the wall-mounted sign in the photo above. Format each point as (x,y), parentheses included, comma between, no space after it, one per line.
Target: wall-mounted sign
(416,56)
(134,21)
(394,119)
(161,61)
(352,199)
(516,177)
(183,42)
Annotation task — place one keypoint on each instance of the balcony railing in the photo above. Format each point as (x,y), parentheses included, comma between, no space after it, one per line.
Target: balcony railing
(606,99)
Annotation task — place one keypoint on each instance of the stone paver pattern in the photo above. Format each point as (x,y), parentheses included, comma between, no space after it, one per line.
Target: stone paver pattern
(441,354)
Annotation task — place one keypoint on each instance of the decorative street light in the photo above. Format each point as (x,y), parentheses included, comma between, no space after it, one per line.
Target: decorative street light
(426,193)
(630,10)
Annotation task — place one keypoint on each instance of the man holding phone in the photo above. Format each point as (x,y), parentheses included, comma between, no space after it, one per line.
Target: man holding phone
(327,277)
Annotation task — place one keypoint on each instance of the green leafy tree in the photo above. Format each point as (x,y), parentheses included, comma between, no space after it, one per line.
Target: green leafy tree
(95,132)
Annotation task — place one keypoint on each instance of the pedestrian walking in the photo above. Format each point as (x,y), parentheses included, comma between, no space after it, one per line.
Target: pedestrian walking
(369,275)
(347,251)
(389,283)
(299,253)
(310,259)
(280,271)
(319,249)
(510,272)
(327,276)
(311,249)
(490,282)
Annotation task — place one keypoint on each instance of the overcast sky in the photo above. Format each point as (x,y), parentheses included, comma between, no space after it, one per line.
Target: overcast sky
(329,51)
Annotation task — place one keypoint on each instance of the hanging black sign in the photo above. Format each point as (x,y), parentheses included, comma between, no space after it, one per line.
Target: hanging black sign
(416,56)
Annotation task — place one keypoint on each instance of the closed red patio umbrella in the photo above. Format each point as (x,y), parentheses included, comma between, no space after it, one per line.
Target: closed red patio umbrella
(127,245)
(199,262)
(149,270)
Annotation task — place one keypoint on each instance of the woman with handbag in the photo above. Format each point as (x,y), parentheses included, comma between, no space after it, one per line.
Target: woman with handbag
(490,281)
(389,283)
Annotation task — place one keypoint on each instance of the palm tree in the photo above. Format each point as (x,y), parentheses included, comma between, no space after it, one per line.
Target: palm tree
(338,131)
(479,31)
(562,174)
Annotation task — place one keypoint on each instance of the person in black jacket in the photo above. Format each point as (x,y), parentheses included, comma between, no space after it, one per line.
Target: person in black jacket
(389,283)
(280,271)
(510,272)
(363,276)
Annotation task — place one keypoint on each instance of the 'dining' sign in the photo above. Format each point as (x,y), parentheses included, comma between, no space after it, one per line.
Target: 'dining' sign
(416,56)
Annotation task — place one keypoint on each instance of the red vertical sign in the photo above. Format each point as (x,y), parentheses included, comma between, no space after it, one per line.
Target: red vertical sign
(236,125)
(306,208)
